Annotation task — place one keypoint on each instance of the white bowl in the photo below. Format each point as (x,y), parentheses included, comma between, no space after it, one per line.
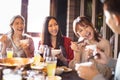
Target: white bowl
(24,41)
(92,47)
(88,64)
(55,51)
(53,78)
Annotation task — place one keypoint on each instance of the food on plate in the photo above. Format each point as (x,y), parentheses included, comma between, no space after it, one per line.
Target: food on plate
(40,65)
(15,61)
(37,59)
(59,70)
(66,69)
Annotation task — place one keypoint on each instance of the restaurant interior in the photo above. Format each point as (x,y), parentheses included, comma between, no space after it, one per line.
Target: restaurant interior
(65,11)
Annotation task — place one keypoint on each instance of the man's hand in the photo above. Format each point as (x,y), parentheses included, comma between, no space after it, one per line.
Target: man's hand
(103,59)
(87,70)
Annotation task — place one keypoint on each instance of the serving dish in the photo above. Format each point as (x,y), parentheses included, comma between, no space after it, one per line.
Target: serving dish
(41,65)
(9,62)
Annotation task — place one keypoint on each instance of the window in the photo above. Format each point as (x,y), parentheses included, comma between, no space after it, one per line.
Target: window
(8,9)
(37,11)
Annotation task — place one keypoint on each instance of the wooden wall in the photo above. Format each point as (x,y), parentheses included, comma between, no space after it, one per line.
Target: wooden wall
(73,9)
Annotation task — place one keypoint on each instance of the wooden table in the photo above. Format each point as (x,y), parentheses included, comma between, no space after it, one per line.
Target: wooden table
(70,76)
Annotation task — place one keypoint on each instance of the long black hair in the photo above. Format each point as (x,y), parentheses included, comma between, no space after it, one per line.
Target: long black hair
(59,40)
(47,35)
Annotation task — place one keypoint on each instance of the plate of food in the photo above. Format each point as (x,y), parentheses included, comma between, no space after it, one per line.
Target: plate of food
(13,62)
(59,70)
(40,65)
(66,69)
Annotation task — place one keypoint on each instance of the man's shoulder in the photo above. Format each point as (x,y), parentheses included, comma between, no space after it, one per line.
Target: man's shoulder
(117,70)
(99,77)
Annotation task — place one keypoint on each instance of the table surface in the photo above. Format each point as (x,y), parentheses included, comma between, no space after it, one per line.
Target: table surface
(70,76)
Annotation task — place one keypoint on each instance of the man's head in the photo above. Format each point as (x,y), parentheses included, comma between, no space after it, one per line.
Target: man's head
(112,13)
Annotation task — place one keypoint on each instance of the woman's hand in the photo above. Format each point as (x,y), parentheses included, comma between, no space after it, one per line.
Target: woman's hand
(77,47)
(3,39)
(4,42)
(88,54)
(74,46)
(61,57)
(28,46)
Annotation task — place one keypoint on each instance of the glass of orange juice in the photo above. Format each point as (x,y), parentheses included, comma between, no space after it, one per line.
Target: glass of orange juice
(9,52)
(51,65)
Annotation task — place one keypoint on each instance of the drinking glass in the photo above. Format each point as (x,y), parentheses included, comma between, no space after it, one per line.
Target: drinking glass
(9,52)
(44,51)
(41,49)
(37,57)
(51,65)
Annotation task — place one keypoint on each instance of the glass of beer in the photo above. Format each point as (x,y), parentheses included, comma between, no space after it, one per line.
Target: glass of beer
(51,65)
(9,52)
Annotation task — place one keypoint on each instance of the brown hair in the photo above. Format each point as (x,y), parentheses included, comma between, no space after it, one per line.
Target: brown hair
(13,19)
(83,21)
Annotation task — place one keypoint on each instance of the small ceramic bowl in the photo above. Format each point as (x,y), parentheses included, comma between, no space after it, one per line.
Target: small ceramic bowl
(53,78)
(55,51)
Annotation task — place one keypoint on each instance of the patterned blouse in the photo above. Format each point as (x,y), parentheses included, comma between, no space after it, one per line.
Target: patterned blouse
(18,51)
